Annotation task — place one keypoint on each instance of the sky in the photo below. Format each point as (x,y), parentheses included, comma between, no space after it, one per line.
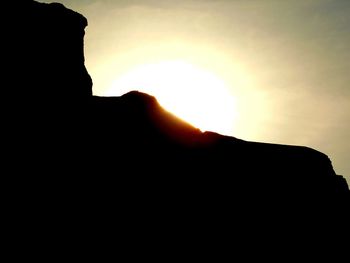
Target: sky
(286,63)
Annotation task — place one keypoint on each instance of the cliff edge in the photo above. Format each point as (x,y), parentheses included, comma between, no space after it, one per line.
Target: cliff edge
(126,158)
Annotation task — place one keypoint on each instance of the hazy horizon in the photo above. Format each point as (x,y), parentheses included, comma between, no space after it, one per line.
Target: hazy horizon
(286,63)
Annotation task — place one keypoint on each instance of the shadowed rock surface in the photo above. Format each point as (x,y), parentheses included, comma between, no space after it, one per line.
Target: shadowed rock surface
(125,163)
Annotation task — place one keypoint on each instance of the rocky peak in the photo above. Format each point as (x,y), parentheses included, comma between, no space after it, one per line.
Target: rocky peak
(47,53)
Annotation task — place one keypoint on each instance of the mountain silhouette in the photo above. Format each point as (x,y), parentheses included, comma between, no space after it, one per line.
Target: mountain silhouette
(87,161)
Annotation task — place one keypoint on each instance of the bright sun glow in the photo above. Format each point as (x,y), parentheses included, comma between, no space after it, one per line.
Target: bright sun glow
(195,95)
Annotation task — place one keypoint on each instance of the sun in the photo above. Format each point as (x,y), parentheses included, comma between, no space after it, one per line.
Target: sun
(193,94)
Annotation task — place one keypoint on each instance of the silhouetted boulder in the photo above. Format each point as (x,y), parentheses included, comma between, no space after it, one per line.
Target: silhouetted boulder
(125,162)
(47,52)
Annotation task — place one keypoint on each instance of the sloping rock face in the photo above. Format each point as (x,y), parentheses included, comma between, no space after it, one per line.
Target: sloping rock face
(125,165)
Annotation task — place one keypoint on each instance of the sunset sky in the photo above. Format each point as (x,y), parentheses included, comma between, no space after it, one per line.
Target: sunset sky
(274,71)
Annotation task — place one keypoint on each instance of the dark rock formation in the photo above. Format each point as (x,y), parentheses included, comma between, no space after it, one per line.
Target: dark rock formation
(90,162)
(51,36)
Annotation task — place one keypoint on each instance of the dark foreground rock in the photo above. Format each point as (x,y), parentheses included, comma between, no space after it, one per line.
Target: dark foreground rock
(87,168)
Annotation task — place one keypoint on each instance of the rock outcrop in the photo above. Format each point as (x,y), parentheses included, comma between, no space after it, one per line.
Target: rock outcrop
(126,161)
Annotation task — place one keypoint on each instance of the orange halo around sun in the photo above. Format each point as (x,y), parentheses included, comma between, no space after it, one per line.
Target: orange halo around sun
(191,93)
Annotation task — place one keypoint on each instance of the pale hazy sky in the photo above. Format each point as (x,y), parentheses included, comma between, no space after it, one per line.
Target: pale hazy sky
(287,62)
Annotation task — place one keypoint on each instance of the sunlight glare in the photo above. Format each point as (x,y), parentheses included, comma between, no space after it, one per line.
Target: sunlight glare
(193,94)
